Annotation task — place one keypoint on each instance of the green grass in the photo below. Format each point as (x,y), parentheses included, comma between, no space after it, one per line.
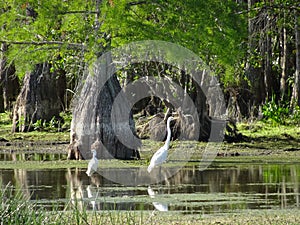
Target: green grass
(16,209)
(5,119)
(37,165)
(6,127)
(267,131)
(37,136)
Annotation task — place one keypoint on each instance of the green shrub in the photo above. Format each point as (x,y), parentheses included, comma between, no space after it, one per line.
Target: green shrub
(280,113)
(277,113)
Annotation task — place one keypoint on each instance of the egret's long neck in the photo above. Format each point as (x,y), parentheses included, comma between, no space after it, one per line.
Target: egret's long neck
(167,143)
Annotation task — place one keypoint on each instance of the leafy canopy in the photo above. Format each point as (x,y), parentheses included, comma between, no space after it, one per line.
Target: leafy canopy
(75,30)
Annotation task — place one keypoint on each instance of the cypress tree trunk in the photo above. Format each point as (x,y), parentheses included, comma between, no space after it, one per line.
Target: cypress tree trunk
(1,98)
(92,120)
(2,65)
(296,87)
(254,73)
(39,99)
(9,82)
(267,67)
(283,61)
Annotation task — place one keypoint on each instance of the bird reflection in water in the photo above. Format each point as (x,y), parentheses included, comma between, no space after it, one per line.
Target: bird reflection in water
(160,206)
(90,196)
(79,195)
(93,191)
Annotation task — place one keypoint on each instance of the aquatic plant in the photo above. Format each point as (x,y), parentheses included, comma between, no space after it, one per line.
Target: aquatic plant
(17,209)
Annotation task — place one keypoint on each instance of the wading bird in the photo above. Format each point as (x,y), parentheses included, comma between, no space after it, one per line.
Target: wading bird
(93,164)
(161,155)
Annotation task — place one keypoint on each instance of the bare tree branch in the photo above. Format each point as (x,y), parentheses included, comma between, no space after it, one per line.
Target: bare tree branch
(79,12)
(271,7)
(79,46)
(137,3)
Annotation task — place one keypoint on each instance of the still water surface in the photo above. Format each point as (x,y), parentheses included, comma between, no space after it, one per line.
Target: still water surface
(222,188)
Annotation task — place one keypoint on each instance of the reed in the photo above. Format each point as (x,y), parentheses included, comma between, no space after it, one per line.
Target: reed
(17,209)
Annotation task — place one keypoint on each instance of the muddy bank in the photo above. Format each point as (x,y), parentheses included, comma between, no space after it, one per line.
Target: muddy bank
(149,147)
(33,146)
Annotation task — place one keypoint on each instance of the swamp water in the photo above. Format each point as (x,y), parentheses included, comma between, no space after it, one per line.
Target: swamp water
(222,188)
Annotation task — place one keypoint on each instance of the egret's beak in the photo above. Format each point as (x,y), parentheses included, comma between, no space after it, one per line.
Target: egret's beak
(175,117)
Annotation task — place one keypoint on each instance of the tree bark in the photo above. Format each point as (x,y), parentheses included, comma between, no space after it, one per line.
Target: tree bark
(1,80)
(39,99)
(283,61)
(267,67)
(10,86)
(92,120)
(1,98)
(254,72)
(296,87)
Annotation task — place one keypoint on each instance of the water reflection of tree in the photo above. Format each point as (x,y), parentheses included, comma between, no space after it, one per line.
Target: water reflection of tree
(295,181)
(21,180)
(73,177)
(283,180)
(84,189)
(36,184)
(269,180)
(272,184)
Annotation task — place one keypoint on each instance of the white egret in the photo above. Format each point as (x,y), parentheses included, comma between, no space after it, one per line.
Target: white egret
(160,156)
(93,164)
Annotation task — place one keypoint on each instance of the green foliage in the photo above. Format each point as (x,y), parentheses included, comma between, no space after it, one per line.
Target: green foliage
(16,209)
(5,119)
(66,119)
(39,125)
(276,113)
(267,132)
(55,31)
(214,31)
(54,125)
(280,113)
(295,116)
